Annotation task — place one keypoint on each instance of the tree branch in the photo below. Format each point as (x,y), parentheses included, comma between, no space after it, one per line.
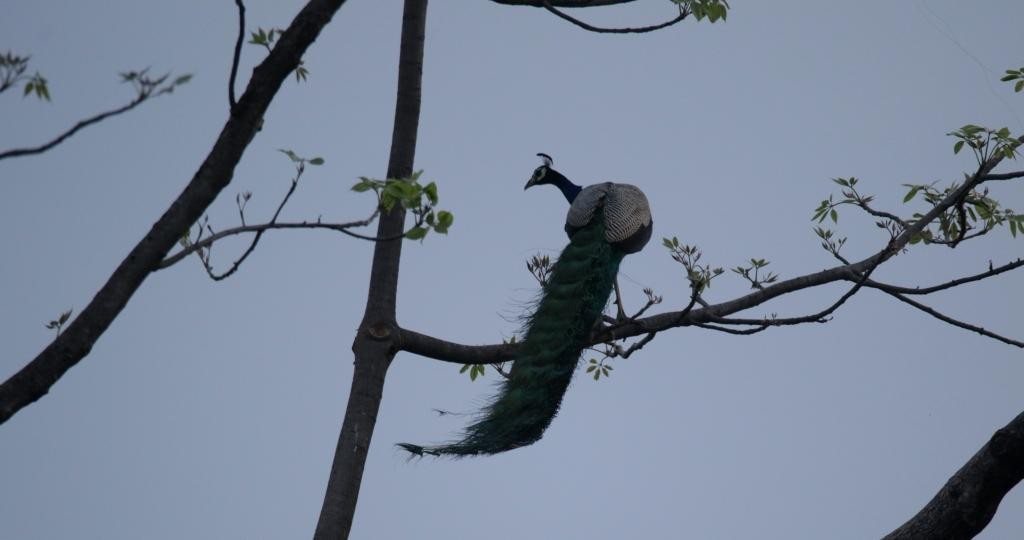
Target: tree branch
(562,3)
(455,353)
(220,235)
(143,95)
(966,504)
(35,379)
(948,285)
(1005,176)
(238,54)
(642,30)
(954,322)
(374,346)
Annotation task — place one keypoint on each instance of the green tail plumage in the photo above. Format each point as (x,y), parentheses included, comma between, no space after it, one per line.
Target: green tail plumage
(570,305)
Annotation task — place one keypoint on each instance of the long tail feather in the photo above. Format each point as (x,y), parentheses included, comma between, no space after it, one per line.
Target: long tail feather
(570,305)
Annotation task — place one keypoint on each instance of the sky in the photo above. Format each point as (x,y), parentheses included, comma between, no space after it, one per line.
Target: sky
(211,410)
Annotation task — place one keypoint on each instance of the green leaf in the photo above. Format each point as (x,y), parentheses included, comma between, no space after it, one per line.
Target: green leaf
(835,216)
(316,161)
(1019,86)
(363,185)
(291,155)
(416,233)
(444,221)
(464,368)
(182,79)
(431,191)
(958,146)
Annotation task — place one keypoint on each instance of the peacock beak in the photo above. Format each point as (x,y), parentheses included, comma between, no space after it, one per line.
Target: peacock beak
(529,183)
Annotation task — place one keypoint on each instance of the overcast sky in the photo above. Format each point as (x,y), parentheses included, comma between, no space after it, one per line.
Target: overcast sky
(211,410)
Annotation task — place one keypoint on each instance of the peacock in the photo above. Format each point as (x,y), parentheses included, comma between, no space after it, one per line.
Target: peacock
(606,222)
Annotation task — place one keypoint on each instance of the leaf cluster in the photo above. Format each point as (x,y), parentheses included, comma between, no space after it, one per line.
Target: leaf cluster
(540,268)
(752,273)
(978,212)
(58,323)
(413,196)
(700,276)
(712,10)
(985,142)
(265,39)
(147,86)
(475,370)
(1015,75)
(598,368)
(12,71)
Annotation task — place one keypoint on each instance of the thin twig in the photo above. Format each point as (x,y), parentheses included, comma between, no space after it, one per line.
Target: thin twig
(208,241)
(682,15)
(146,88)
(256,239)
(616,351)
(238,54)
(879,213)
(954,322)
(17,152)
(733,331)
(947,285)
(819,317)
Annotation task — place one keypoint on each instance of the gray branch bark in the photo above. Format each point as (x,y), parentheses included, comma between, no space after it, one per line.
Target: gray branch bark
(966,503)
(375,342)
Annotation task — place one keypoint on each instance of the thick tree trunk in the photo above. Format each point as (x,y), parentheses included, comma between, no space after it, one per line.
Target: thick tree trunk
(376,341)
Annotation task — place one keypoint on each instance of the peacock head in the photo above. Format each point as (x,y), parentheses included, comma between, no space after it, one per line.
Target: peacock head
(541,174)
(546,175)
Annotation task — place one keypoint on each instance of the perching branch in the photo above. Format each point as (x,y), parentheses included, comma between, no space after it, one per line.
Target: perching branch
(859,271)
(35,379)
(966,504)
(642,30)
(146,88)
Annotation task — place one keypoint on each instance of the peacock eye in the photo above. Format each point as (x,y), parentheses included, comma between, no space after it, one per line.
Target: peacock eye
(539,173)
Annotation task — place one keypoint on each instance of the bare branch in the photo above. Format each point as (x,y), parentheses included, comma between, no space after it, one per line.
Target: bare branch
(563,3)
(954,322)
(949,284)
(966,504)
(1004,176)
(256,239)
(455,353)
(616,351)
(220,235)
(143,95)
(642,30)
(237,55)
(733,331)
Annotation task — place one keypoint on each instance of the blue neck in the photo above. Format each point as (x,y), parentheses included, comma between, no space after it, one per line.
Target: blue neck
(569,189)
